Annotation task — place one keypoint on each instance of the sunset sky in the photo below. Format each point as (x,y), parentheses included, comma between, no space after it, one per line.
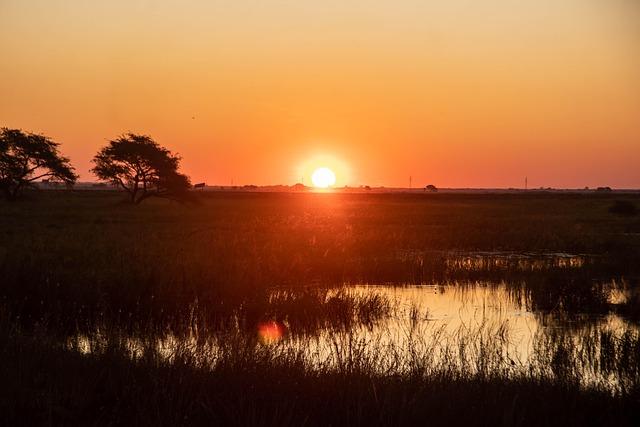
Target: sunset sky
(457,93)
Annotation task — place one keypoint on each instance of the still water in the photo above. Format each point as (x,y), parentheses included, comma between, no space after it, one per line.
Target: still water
(466,328)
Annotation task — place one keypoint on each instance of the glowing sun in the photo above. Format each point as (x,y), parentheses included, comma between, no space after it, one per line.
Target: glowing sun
(323,178)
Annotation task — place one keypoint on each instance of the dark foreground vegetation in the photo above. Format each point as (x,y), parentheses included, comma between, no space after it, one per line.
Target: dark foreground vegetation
(83,264)
(48,385)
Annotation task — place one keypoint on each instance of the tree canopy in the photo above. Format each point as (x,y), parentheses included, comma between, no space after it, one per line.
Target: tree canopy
(142,168)
(26,157)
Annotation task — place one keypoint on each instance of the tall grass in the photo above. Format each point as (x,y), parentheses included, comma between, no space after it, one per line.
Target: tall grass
(236,379)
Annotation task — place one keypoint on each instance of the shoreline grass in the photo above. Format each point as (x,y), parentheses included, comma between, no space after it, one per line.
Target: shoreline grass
(48,384)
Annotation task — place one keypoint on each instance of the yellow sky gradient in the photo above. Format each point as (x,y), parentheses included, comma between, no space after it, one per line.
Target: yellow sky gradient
(458,93)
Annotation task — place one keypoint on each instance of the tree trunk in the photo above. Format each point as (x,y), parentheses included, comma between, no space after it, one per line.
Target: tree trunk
(143,195)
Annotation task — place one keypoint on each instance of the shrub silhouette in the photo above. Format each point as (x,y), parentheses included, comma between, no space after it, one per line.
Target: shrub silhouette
(142,168)
(26,157)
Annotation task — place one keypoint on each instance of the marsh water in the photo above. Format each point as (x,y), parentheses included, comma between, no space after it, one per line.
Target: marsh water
(466,326)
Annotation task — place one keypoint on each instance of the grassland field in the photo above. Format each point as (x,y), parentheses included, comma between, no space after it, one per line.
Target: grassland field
(80,261)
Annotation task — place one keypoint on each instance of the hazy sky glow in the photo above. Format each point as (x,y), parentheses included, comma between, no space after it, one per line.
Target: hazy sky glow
(459,93)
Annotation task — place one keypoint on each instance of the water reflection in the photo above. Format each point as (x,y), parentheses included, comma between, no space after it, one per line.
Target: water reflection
(466,328)
(478,261)
(499,260)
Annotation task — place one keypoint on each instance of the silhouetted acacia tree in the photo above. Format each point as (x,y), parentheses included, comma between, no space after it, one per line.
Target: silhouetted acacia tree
(26,157)
(142,168)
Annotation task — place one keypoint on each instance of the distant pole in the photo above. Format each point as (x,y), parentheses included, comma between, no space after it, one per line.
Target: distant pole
(525,183)
(410,179)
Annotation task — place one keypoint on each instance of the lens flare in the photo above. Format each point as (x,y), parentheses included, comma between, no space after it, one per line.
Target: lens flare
(271,332)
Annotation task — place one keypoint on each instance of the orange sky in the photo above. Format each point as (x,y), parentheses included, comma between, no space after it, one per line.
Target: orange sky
(458,93)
